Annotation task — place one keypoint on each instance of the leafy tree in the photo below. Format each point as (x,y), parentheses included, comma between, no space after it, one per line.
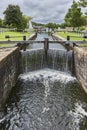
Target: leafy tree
(52,25)
(1,22)
(24,21)
(84,20)
(63,25)
(37,24)
(74,16)
(14,17)
(83,3)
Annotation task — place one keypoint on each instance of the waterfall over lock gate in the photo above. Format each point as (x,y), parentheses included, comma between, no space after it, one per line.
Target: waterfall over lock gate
(36,59)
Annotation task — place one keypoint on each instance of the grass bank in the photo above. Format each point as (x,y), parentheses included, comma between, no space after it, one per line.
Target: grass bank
(73,36)
(13,34)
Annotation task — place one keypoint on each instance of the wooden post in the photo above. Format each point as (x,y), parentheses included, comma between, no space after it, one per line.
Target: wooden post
(24,38)
(46,47)
(24,44)
(68,38)
(46,44)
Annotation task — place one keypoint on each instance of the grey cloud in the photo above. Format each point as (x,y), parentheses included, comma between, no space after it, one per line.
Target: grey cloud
(48,10)
(41,11)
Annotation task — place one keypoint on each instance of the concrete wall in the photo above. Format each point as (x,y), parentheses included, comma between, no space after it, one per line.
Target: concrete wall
(9,69)
(33,36)
(80,56)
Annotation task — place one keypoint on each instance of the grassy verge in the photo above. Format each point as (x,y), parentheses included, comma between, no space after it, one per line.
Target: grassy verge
(13,34)
(5,45)
(76,36)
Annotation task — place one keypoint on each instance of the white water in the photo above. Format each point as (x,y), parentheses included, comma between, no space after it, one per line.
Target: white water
(78,114)
(47,77)
(46,73)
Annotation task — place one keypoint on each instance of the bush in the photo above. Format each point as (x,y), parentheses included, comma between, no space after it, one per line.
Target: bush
(81,28)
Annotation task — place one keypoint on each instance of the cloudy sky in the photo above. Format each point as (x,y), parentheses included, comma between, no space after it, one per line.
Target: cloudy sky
(41,10)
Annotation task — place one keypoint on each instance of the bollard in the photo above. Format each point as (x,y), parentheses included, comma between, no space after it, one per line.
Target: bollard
(68,38)
(24,44)
(46,44)
(24,38)
(8,37)
(46,47)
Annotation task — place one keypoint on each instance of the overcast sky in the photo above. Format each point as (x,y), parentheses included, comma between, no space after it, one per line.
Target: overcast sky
(41,10)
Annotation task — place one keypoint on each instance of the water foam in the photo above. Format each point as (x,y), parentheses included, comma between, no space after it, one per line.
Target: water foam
(47,77)
(53,75)
(77,114)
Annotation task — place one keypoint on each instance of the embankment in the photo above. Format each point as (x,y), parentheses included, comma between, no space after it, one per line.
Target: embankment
(80,57)
(9,70)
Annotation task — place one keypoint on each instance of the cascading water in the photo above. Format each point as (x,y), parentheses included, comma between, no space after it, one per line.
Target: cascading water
(46,96)
(33,60)
(55,59)
(58,60)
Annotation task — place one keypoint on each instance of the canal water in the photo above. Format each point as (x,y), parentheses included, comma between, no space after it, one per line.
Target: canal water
(47,97)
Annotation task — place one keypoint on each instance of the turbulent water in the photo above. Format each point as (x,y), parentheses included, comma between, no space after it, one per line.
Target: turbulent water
(46,99)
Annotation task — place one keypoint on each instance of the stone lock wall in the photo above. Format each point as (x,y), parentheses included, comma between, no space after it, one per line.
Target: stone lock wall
(9,70)
(80,57)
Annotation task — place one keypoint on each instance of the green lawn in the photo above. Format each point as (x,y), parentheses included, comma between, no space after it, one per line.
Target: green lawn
(5,45)
(65,34)
(10,33)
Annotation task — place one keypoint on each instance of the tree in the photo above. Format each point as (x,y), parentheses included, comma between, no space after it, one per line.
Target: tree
(1,22)
(24,22)
(83,3)
(84,20)
(13,17)
(52,25)
(63,25)
(74,16)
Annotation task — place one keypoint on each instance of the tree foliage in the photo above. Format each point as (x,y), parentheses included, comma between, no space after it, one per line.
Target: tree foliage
(63,25)
(37,24)
(83,3)
(14,17)
(52,25)
(74,16)
(1,22)
(24,21)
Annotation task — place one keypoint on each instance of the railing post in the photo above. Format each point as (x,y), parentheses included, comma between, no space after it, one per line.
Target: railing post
(46,47)
(24,44)
(46,44)
(24,38)
(68,38)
